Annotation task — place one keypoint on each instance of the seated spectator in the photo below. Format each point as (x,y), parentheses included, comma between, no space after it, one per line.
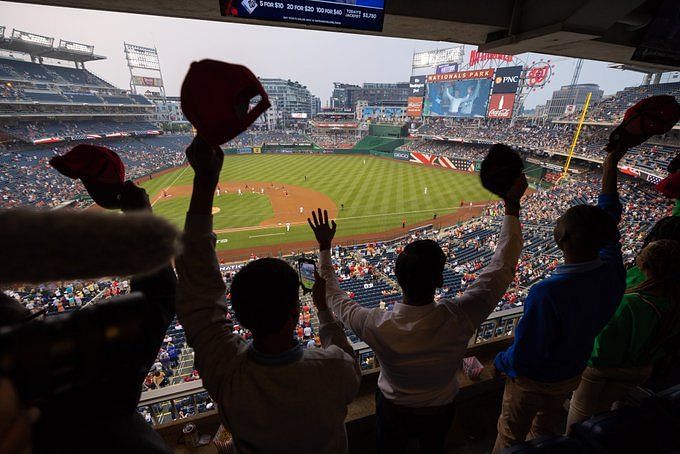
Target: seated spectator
(420,344)
(644,329)
(562,316)
(260,387)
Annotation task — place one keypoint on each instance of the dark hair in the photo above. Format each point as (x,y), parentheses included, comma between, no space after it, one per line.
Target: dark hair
(500,169)
(264,294)
(667,228)
(419,269)
(588,228)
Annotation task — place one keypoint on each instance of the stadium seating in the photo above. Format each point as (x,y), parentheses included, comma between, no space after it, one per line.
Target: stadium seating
(27,179)
(612,108)
(44,96)
(76,76)
(89,98)
(437,135)
(26,70)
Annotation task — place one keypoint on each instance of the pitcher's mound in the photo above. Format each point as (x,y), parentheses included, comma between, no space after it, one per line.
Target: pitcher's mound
(215,210)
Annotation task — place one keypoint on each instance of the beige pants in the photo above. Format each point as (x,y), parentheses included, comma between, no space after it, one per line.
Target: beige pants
(531,408)
(601,387)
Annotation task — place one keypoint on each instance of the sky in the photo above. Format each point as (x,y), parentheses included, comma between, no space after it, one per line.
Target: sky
(314,58)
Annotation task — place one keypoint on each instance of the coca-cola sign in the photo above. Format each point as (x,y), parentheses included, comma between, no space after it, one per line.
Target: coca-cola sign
(500,105)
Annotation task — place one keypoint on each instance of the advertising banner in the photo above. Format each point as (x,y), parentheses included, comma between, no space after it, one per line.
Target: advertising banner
(474,74)
(433,58)
(500,105)
(147,81)
(477,58)
(358,14)
(417,85)
(506,80)
(402,155)
(447,68)
(457,98)
(414,107)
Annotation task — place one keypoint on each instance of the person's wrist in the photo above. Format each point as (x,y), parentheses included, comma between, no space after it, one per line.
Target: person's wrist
(205,181)
(512,207)
(326,245)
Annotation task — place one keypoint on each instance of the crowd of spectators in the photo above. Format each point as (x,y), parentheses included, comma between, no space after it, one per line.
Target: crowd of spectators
(254,138)
(446,148)
(35,130)
(54,298)
(26,179)
(540,138)
(334,139)
(611,108)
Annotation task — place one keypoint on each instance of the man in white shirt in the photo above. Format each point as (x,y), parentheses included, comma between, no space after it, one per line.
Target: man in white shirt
(260,387)
(420,344)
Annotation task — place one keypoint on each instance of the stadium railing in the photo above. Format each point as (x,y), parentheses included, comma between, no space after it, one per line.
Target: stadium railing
(163,403)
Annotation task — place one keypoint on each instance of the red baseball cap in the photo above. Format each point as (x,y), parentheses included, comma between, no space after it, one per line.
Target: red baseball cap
(215,98)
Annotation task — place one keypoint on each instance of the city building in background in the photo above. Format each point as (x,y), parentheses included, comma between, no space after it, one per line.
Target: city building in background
(570,99)
(346,96)
(293,101)
(169,113)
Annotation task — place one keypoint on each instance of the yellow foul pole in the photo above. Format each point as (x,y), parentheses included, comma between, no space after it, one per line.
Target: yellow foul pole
(576,134)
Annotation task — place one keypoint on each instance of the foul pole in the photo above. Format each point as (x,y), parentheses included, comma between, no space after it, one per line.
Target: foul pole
(576,134)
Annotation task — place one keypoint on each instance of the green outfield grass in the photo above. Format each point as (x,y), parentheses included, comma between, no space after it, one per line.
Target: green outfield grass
(377,195)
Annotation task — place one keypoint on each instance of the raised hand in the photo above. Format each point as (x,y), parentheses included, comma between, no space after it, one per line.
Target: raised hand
(514,195)
(319,293)
(134,198)
(517,189)
(323,231)
(206,160)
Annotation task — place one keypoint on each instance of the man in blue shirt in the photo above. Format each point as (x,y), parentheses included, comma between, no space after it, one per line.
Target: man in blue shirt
(562,315)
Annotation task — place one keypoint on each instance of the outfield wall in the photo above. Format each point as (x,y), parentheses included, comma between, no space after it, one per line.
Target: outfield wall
(464,165)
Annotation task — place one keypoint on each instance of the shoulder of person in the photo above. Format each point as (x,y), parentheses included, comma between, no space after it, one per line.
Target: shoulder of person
(330,354)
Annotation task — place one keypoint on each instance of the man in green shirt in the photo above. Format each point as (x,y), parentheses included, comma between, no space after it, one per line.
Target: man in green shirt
(647,318)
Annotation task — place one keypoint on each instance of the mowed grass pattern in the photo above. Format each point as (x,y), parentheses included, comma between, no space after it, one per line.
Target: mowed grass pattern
(377,195)
(235,211)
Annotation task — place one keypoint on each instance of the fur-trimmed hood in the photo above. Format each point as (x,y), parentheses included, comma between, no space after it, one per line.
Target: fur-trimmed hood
(41,246)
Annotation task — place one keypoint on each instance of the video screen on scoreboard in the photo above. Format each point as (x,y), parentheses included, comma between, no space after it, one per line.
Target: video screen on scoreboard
(355,14)
(457,98)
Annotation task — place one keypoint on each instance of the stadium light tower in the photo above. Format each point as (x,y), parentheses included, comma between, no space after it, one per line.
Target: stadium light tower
(145,69)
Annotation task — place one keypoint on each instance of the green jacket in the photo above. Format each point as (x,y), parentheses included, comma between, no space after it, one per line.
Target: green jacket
(623,341)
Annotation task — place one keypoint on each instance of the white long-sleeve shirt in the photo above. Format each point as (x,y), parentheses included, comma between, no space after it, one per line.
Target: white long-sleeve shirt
(420,348)
(262,398)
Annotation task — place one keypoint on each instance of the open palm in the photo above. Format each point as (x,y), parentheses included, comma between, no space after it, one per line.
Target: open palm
(323,230)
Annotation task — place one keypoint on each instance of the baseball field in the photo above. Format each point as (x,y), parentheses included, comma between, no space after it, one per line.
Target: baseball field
(264,200)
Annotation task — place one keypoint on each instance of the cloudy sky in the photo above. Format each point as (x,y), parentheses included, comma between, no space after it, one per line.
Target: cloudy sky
(316,59)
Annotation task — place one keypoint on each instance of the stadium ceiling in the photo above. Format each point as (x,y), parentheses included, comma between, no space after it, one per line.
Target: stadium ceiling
(606,30)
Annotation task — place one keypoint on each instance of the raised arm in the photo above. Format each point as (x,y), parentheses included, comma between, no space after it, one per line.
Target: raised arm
(159,290)
(610,203)
(348,312)
(333,336)
(481,297)
(201,301)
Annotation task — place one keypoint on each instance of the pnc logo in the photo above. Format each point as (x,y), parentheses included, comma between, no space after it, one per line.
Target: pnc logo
(506,79)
